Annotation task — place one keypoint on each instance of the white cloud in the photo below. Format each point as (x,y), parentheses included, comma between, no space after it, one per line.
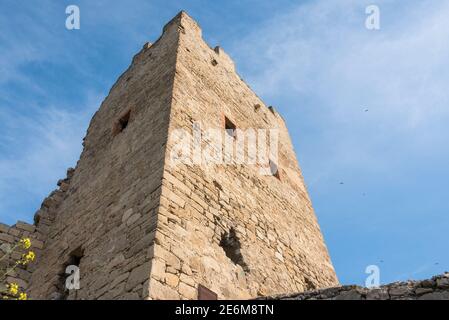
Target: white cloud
(38,149)
(320,62)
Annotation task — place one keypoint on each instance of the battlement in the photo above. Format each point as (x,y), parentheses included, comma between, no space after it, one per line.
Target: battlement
(141,228)
(184,23)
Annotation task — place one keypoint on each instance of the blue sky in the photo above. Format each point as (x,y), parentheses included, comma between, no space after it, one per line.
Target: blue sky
(314,60)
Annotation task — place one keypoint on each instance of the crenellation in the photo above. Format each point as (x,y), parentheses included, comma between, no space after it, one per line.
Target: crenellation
(149,229)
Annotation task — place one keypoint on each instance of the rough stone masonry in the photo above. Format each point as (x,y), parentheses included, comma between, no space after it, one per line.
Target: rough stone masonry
(140,228)
(436,288)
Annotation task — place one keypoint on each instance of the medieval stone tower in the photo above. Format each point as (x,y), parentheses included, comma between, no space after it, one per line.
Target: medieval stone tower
(140,227)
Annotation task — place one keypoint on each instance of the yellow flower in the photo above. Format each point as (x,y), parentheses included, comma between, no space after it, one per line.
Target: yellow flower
(30,256)
(26,258)
(13,288)
(23,296)
(26,243)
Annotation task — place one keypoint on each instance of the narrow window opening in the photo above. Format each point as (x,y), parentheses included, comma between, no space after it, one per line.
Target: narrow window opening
(122,123)
(76,256)
(274,170)
(232,248)
(230,127)
(217,185)
(74,259)
(214,62)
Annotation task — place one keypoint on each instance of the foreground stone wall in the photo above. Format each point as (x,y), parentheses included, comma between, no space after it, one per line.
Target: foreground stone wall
(9,238)
(436,288)
(37,232)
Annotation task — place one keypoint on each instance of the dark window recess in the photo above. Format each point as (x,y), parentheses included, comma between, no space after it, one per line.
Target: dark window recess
(230,127)
(206,294)
(122,123)
(309,284)
(217,185)
(274,170)
(73,260)
(214,62)
(231,246)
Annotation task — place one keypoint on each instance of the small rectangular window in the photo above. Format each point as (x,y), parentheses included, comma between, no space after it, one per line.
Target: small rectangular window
(74,261)
(122,123)
(230,127)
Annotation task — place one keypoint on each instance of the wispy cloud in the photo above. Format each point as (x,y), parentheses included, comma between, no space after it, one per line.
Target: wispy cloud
(314,60)
(36,151)
(369,108)
(322,53)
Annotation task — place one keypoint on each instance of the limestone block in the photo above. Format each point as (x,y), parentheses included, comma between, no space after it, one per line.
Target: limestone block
(187,291)
(172,280)
(138,275)
(162,292)
(4,228)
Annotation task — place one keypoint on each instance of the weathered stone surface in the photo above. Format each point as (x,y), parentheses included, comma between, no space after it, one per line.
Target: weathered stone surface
(349,295)
(172,280)
(127,214)
(421,291)
(4,228)
(6,238)
(399,291)
(424,290)
(443,283)
(377,294)
(138,275)
(161,291)
(25,226)
(443,295)
(187,292)
(214,224)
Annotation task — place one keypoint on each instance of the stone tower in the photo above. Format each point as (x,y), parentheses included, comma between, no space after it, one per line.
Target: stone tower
(142,226)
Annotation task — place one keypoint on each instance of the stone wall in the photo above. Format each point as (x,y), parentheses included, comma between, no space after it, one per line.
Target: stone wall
(106,222)
(140,228)
(9,238)
(436,288)
(37,232)
(280,247)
